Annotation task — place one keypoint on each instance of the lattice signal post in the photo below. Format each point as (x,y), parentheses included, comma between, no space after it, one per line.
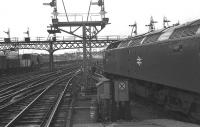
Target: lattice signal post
(90,29)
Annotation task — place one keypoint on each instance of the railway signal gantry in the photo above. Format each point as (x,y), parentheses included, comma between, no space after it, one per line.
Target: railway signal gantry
(85,31)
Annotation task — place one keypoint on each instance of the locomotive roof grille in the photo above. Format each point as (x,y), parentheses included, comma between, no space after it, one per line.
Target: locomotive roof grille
(184,32)
(174,32)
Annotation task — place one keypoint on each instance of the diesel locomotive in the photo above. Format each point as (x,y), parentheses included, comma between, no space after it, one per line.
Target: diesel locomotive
(162,66)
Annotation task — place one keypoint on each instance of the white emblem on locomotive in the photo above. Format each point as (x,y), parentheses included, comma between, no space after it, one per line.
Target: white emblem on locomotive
(139,60)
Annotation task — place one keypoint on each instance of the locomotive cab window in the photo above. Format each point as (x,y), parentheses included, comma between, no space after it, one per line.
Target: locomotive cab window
(113,45)
(151,38)
(166,35)
(136,41)
(198,31)
(123,44)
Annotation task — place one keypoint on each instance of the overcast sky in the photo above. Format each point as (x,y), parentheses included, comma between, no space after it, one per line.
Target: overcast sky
(20,14)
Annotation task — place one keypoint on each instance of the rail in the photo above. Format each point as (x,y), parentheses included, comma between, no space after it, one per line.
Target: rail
(49,120)
(9,94)
(8,98)
(24,111)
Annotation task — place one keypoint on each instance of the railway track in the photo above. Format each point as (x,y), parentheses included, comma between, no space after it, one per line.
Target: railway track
(29,80)
(40,106)
(12,77)
(14,92)
(19,77)
(13,95)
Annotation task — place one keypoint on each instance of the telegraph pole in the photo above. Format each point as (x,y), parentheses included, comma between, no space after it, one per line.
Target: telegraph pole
(165,22)
(53,31)
(151,25)
(84,55)
(134,29)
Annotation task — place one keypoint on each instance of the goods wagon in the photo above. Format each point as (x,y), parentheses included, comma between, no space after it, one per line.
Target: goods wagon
(30,60)
(13,63)
(2,64)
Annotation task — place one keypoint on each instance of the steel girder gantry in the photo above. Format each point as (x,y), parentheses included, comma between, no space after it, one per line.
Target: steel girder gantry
(51,45)
(87,40)
(56,45)
(90,29)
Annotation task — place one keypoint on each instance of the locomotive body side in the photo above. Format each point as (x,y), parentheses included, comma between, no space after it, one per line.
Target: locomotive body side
(162,66)
(173,63)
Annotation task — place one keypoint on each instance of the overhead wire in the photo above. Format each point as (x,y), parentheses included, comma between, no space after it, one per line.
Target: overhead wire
(89,11)
(89,27)
(66,12)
